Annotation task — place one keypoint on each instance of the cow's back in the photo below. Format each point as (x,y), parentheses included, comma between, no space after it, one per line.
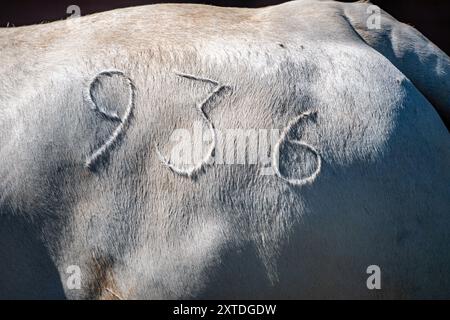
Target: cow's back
(367,185)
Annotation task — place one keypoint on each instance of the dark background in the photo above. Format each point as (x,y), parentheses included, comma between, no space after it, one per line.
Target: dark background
(431,17)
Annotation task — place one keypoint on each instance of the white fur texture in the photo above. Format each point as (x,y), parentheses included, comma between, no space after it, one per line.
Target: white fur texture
(198,168)
(276,153)
(378,154)
(98,153)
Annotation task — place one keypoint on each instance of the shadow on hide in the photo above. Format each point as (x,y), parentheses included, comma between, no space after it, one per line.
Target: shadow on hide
(26,269)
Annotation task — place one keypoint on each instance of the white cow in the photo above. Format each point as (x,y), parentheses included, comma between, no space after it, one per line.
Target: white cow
(93,205)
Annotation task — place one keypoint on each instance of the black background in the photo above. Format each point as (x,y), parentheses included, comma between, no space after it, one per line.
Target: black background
(431,17)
